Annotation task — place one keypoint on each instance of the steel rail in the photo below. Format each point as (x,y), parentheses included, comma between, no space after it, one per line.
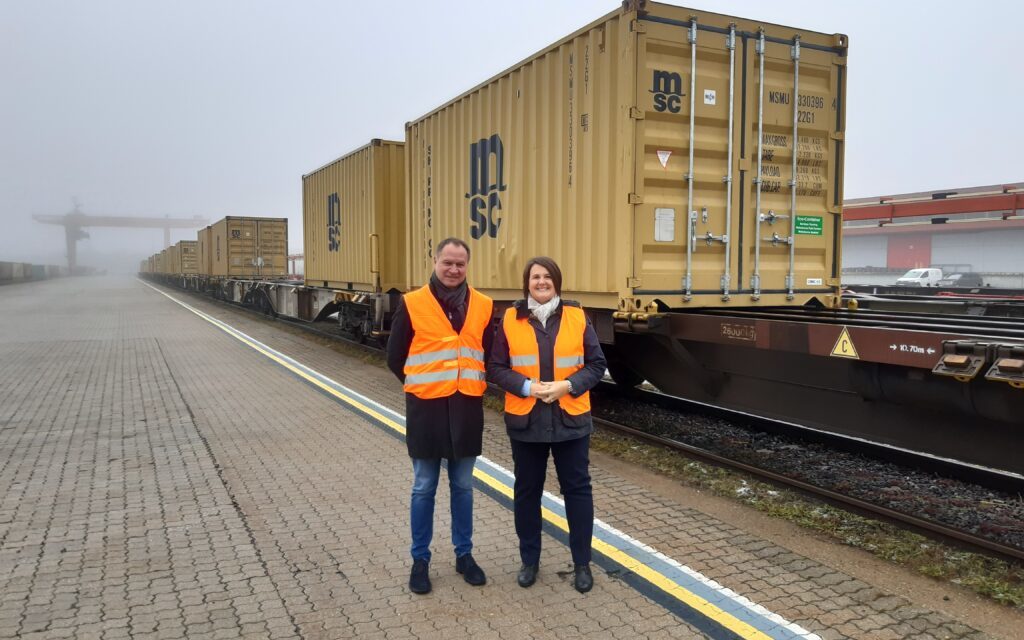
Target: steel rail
(927,527)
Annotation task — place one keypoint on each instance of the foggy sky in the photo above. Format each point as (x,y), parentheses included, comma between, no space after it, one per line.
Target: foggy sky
(217,108)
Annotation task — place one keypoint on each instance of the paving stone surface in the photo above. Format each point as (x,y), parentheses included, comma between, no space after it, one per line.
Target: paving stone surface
(162,480)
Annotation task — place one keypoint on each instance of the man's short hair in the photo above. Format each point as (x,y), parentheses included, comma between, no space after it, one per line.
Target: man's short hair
(456,241)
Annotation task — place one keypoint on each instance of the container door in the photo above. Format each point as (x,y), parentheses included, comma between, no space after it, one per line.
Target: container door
(791,169)
(739,153)
(684,142)
(273,250)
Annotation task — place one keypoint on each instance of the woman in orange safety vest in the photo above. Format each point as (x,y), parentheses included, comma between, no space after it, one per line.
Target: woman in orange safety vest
(546,356)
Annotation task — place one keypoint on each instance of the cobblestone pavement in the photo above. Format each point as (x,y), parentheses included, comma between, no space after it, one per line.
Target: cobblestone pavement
(162,480)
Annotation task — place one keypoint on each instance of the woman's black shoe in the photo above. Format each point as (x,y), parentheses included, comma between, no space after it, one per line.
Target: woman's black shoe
(583,580)
(527,575)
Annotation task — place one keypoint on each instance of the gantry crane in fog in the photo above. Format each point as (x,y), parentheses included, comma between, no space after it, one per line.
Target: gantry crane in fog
(75,222)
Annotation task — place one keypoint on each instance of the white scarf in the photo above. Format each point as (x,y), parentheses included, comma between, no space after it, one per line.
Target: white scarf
(542,311)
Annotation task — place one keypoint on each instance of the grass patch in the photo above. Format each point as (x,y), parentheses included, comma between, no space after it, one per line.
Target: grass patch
(998,580)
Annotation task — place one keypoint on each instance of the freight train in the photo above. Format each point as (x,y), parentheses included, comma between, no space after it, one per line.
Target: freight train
(686,170)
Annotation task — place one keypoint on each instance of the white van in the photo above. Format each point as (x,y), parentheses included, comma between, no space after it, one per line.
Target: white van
(920,278)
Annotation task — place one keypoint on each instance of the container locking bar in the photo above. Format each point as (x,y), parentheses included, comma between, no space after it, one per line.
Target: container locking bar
(691,226)
(755,278)
(962,360)
(730,44)
(1008,366)
(791,276)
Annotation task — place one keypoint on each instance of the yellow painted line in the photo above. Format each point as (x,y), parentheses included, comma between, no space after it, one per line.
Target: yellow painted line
(656,578)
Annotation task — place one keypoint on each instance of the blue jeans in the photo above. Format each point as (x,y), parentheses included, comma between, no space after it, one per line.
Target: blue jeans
(426,473)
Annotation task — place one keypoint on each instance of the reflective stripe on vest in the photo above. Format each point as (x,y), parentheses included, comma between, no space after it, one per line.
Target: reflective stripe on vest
(440,361)
(524,357)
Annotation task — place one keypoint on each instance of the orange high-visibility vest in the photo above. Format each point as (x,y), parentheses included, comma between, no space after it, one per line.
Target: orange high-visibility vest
(440,361)
(524,357)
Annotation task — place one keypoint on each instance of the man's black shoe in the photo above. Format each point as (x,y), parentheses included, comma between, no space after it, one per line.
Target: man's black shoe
(419,579)
(527,575)
(470,570)
(583,580)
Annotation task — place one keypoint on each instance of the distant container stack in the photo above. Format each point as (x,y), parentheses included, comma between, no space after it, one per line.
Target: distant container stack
(247,247)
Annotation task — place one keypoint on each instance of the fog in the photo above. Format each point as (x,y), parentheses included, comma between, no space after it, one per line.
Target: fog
(218,108)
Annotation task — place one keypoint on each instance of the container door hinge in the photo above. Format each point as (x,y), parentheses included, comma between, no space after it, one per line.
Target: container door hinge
(632,283)
(837,135)
(1008,366)
(961,360)
(636,198)
(636,113)
(637,27)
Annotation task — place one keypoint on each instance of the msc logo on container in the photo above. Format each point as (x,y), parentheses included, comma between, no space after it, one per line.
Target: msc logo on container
(484,192)
(333,222)
(667,87)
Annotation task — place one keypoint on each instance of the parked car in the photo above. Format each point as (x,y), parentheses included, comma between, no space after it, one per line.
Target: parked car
(969,279)
(928,277)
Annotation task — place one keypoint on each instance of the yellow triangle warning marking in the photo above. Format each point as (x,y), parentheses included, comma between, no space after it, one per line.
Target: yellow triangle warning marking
(844,346)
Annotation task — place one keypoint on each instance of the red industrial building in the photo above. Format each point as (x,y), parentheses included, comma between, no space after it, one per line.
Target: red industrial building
(977,229)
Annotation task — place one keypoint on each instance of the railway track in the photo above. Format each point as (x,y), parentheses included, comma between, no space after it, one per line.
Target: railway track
(915,470)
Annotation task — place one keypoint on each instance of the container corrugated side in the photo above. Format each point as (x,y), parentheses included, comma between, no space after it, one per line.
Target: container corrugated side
(174,259)
(204,251)
(353,220)
(187,256)
(245,246)
(582,153)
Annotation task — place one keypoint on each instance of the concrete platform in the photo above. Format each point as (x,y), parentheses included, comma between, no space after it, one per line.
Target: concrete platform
(198,473)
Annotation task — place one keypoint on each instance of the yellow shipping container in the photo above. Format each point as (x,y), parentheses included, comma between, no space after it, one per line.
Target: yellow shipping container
(173,259)
(187,257)
(243,246)
(353,220)
(161,262)
(204,252)
(583,153)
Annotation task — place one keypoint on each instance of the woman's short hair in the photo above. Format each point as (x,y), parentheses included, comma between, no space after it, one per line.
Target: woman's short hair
(550,265)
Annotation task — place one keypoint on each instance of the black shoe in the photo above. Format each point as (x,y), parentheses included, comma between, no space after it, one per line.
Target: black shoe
(583,580)
(419,579)
(470,570)
(527,575)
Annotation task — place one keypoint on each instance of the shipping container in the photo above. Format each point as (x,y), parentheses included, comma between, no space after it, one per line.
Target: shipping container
(173,259)
(583,153)
(249,247)
(188,262)
(6,272)
(353,220)
(161,262)
(204,251)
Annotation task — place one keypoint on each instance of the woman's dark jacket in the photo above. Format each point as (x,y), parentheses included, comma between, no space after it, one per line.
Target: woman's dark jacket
(450,427)
(546,422)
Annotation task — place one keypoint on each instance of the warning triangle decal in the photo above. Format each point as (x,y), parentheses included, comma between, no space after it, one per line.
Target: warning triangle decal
(844,346)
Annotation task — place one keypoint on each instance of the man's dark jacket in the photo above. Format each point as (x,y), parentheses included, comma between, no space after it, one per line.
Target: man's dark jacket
(450,427)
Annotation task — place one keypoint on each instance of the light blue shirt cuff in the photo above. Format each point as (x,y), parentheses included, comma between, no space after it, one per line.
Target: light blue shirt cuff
(526,388)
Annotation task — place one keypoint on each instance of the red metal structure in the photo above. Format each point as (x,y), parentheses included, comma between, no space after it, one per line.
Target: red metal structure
(1007,198)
